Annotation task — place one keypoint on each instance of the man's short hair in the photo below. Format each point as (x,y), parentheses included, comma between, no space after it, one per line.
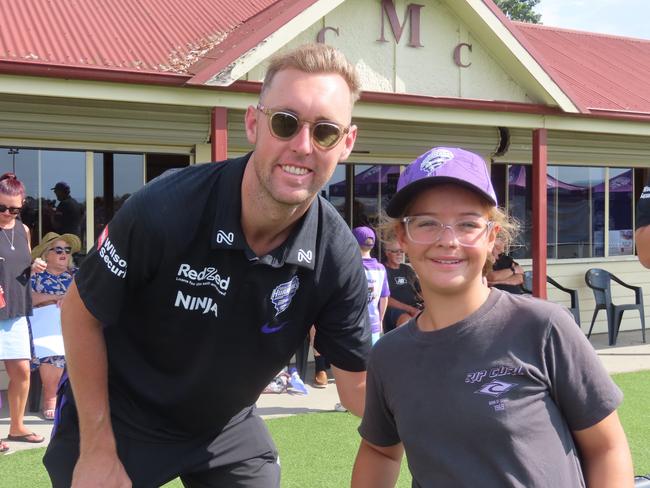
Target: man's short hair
(315,58)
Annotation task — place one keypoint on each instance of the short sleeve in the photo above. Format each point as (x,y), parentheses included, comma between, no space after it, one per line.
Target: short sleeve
(580,385)
(385,290)
(125,256)
(378,423)
(342,326)
(643,208)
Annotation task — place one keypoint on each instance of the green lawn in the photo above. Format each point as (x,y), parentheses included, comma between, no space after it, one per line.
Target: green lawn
(317,450)
(635,416)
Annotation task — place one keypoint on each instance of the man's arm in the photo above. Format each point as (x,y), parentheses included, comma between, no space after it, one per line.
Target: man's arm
(605,454)
(87,365)
(377,467)
(508,276)
(394,303)
(351,386)
(642,236)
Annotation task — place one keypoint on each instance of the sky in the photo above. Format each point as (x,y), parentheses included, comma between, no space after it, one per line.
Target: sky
(630,18)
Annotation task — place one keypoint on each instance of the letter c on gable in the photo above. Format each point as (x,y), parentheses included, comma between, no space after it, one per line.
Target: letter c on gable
(457,59)
(321,33)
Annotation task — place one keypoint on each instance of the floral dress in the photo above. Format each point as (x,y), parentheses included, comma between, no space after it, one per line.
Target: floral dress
(51,284)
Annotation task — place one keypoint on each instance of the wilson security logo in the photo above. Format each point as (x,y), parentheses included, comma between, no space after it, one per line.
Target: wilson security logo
(305,256)
(225,237)
(208,276)
(107,252)
(205,305)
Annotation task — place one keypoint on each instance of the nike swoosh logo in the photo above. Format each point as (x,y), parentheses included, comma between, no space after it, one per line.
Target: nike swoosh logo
(267,329)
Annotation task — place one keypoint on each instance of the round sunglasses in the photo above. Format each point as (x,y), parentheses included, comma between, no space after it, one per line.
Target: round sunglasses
(284,125)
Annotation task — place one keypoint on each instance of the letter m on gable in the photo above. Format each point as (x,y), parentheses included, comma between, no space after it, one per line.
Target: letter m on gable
(412,16)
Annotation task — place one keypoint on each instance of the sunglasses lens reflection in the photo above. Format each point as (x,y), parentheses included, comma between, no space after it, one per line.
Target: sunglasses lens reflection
(284,125)
(326,135)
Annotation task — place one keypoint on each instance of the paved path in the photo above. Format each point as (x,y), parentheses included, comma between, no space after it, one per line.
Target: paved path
(630,354)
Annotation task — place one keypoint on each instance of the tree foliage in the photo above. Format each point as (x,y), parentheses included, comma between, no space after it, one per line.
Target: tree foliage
(520,10)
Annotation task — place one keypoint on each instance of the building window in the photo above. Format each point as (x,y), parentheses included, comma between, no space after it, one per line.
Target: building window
(590,210)
(40,170)
(360,191)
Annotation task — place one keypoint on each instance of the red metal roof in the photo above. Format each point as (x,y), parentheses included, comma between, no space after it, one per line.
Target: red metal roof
(154,36)
(189,41)
(600,72)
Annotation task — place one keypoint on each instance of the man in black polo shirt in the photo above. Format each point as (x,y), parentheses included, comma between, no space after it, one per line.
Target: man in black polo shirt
(200,290)
(642,234)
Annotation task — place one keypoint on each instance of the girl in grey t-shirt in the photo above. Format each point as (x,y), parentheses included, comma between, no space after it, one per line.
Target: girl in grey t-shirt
(483,388)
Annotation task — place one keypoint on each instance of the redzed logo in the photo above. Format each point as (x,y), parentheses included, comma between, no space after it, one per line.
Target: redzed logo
(102,237)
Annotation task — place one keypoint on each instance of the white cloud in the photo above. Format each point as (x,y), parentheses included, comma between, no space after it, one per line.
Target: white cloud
(618,17)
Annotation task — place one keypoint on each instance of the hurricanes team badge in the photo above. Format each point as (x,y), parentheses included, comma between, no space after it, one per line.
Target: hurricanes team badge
(283,293)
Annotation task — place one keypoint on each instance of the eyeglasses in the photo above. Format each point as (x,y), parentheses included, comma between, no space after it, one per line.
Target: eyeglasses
(61,250)
(284,125)
(423,229)
(12,210)
(395,251)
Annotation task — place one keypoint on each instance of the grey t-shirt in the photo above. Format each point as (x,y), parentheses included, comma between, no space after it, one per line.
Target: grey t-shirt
(489,401)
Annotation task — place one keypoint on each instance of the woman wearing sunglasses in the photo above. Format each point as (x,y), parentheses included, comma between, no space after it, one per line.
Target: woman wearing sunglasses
(15,268)
(484,387)
(48,288)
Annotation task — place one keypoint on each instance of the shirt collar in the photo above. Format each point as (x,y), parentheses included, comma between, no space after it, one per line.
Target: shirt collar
(298,249)
(227,233)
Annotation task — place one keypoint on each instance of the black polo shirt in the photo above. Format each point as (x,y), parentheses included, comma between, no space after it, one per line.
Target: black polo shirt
(196,325)
(404,285)
(643,207)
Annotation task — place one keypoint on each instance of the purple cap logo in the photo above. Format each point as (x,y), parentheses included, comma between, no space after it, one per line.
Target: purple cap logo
(442,165)
(434,159)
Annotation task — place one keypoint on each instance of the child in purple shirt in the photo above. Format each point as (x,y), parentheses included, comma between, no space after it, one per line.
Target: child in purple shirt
(378,291)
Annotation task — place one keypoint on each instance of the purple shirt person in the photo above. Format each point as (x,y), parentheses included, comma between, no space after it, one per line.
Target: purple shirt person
(378,290)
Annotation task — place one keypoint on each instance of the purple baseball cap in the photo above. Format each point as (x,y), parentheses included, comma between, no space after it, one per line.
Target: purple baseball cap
(365,236)
(442,165)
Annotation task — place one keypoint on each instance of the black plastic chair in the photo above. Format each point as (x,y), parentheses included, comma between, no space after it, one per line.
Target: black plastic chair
(599,281)
(575,301)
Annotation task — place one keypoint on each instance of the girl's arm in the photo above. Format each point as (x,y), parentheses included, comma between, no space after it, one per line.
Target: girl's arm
(605,454)
(377,467)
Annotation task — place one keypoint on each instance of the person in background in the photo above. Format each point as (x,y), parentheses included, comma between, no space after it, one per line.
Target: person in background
(216,270)
(642,233)
(378,290)
(15,269)
(484,387)
(506,274)
(321,364)
(404,301)
(48,288)
(68,213)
